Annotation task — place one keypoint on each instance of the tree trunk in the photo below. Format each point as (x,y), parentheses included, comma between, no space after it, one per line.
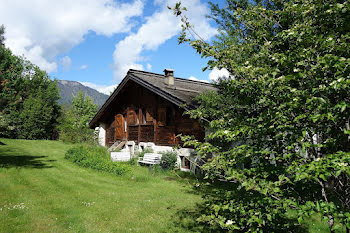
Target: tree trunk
(331,223)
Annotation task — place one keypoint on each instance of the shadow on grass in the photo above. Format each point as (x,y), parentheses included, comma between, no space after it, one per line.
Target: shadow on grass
(217,194)
(27,161)
(10,158)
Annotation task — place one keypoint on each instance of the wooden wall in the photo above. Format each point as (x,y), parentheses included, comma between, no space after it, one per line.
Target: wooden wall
(150,118)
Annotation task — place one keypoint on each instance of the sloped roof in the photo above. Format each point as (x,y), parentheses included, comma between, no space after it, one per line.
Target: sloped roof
(181,93)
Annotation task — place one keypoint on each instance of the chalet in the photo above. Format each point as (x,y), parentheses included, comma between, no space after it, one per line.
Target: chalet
(149,108)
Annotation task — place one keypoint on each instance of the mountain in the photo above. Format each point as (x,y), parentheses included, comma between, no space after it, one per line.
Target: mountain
(71,88)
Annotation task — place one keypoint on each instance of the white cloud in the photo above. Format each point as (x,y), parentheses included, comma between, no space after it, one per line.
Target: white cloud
(41,29)
(196,79)
(66,63)
(101,88)
(157,29)
(149,67)
(83,67)
(215,74)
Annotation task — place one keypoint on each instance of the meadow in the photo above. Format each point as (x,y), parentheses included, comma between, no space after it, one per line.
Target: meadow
(41,191)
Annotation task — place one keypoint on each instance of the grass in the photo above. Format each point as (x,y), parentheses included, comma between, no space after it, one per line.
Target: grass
(40,191)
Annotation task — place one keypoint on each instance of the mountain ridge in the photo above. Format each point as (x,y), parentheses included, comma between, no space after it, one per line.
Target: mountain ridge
(69,89)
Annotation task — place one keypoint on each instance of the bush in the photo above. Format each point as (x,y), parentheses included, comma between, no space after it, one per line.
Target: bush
(133,161)
(168,161)
(142,153)
(95,157)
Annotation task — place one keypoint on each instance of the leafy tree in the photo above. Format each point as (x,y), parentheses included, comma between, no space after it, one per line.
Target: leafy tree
(22,87)
(74,123)
(280,124)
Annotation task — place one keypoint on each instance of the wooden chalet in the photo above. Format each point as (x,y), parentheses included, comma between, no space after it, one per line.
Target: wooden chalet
(149,107)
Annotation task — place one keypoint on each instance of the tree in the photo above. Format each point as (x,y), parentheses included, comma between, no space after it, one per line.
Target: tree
(74,123)
(2,37)
(281,124)
(28,99)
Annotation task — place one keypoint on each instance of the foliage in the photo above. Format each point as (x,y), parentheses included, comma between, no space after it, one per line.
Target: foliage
(95,157)
(74,122)
(2,37)
(140,154)
(4,124)
(133,161)
(28,99)
(169,159)
(280,124)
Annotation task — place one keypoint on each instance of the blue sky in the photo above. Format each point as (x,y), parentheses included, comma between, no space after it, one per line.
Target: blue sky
(95,42)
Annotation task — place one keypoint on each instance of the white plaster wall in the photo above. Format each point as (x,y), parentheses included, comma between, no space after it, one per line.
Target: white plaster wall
(187,152)
(102,134)
(120,156)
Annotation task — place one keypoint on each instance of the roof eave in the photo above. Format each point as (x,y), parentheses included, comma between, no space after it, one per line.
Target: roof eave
(93,121)
(145,84)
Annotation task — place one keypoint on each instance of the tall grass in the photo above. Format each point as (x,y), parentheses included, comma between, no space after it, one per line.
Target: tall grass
(95,157)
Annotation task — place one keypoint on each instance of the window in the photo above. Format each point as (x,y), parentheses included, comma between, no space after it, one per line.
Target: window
(185,162)
(125,123)
(143,116)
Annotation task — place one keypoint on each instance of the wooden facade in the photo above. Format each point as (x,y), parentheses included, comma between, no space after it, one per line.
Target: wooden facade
(150,107)
(140,115)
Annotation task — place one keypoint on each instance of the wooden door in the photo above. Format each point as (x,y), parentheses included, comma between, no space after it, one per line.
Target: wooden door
(119,127)
(132,117)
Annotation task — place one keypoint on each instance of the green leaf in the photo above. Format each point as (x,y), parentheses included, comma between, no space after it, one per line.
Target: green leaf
(323,177)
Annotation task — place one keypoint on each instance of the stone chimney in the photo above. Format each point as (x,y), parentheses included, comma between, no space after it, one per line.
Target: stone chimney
(169,76)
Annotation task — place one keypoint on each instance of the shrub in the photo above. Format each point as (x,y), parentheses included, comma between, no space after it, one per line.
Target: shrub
(142,153)
(169,159)
(132,161)
(95,157)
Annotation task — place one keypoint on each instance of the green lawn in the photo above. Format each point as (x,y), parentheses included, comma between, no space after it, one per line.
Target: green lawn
(40,191)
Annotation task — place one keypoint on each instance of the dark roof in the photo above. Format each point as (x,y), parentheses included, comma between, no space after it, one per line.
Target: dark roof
(181,93)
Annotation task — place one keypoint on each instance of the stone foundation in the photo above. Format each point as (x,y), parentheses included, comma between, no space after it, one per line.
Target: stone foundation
(183,154)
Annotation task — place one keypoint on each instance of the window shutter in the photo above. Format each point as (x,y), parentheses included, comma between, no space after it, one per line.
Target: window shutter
(132,117)
(119,127)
